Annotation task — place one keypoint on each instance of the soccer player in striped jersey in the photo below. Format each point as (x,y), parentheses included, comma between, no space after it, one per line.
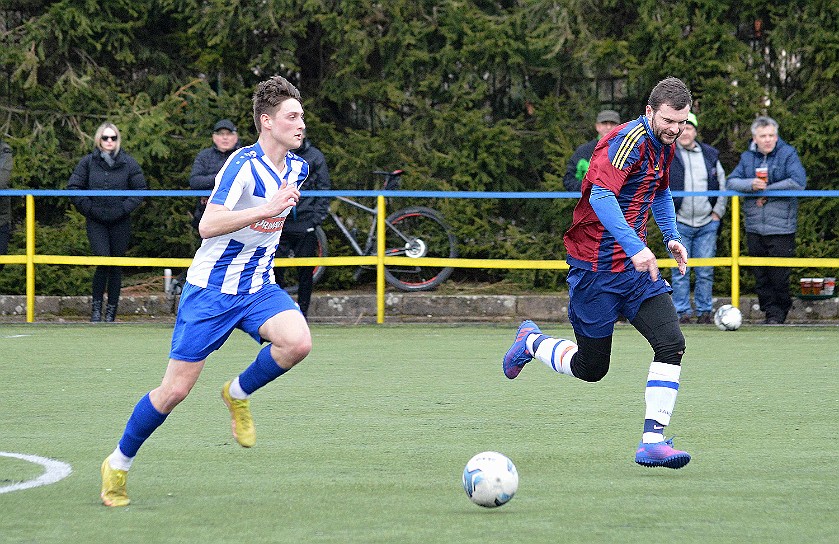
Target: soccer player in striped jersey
(614,273)
(230,284)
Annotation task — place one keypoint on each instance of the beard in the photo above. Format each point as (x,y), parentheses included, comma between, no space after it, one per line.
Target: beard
(664,136)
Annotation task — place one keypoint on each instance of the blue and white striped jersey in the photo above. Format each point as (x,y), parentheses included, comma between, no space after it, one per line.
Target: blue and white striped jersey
(242,261)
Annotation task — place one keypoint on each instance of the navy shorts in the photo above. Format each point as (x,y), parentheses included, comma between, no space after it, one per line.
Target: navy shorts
(206,318)
(598,299)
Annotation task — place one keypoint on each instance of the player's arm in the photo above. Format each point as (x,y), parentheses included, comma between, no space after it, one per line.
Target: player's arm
(664,213)
(219,220)
(605,205)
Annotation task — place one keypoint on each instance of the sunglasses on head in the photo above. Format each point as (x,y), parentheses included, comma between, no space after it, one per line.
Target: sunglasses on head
(110,138)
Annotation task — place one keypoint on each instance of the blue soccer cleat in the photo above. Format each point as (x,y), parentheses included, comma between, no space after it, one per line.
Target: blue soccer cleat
(518,356)
(661,454)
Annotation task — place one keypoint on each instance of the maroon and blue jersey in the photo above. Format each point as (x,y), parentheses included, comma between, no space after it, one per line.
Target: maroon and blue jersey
(631,163)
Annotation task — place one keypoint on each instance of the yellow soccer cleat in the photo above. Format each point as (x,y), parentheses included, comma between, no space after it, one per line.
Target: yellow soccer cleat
(241,419)
(114,492)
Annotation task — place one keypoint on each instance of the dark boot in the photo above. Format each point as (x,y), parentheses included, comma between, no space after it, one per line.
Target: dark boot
(96,311)
(111,313)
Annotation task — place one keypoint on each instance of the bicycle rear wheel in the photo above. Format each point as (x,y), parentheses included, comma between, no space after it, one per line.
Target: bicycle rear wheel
(418,232)
(288,281)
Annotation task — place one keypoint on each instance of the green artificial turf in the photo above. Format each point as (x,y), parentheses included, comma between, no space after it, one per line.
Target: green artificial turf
(365,441)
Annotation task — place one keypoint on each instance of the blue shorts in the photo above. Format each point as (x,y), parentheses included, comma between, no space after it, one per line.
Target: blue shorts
(598,299)
(206,318)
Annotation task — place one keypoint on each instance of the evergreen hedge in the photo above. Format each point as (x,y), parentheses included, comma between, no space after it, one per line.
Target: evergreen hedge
(463,95)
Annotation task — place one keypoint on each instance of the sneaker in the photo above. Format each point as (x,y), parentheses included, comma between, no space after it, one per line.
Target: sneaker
(113,492)
(241,420)
(518,356)
(661,454)
(685,319)
(704,319)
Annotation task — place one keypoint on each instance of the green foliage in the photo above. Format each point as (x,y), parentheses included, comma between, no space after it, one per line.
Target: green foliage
(463,95)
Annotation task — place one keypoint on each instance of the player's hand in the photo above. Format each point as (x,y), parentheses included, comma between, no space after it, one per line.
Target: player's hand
(286,197)
(644,261)
(680,253)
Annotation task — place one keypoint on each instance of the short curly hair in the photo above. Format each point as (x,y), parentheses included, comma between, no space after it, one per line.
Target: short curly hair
(269,95)
(671,91)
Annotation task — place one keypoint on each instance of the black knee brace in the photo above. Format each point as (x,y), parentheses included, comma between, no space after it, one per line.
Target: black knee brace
(591,362)
(658,322)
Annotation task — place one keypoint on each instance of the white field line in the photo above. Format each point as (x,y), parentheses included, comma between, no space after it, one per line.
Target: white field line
(55,471)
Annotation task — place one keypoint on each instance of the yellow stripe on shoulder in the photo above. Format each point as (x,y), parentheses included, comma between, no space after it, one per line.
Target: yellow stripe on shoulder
(627,145)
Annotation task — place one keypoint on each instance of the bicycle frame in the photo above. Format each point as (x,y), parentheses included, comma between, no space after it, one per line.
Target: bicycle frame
(346,232)
(369,247)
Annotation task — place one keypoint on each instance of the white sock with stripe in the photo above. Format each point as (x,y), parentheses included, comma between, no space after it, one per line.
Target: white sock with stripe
(660,397)
(556,353)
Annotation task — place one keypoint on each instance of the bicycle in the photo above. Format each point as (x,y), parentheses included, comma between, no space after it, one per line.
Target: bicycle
(415,231)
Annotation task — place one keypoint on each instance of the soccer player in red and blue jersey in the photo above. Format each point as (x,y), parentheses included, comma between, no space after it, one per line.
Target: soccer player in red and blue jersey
(230,284)
(613,273)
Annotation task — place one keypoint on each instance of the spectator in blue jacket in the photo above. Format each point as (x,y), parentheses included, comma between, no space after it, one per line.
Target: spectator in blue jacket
(771,222)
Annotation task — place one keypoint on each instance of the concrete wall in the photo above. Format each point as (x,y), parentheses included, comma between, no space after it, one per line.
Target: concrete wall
(352,307)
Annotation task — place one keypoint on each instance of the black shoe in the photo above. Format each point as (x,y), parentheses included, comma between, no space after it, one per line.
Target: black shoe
(686,319)
(704,319)
(96,311)
(111,313)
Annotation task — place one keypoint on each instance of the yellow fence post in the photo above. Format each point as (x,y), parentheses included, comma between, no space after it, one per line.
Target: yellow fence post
(735,251)
(30,258)
(380,260)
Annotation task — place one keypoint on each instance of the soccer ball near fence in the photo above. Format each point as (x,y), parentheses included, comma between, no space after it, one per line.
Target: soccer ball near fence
(490,479)
(728,318)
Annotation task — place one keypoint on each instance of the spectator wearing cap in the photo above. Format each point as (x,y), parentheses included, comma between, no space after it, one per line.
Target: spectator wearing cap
(578,163)
(696,168)
(209,161)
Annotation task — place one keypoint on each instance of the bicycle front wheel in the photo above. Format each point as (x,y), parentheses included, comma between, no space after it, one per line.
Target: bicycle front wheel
(418,232)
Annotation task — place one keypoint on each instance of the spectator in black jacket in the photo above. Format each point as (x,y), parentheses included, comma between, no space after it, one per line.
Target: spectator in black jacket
(578,163)
(209,161)
(6,162)
(298,238)
(108,217)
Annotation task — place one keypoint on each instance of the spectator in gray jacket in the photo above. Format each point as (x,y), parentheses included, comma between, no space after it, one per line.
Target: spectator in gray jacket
(771,222)
(696,168)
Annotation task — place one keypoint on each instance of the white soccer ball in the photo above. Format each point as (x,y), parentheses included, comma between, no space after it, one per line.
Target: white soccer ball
(490,479)
(728,318)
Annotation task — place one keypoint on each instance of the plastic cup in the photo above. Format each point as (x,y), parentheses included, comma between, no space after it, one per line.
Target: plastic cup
(806,286)
(762,172)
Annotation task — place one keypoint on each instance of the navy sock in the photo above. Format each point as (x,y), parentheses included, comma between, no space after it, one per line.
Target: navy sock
(143,421)
(653,426)
(261,372)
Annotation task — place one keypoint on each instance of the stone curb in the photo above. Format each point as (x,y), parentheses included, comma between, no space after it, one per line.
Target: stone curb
(352,308)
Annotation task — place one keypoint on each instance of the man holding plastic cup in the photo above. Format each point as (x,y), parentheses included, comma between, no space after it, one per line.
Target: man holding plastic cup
(770,164)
